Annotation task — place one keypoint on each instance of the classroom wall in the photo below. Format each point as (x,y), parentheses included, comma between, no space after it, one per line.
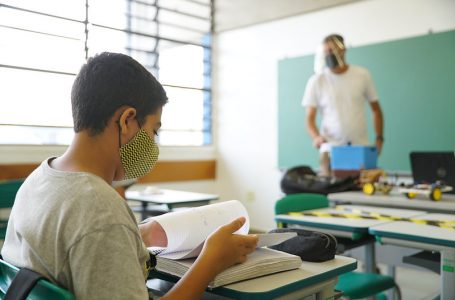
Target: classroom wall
(186,168)
(245,84)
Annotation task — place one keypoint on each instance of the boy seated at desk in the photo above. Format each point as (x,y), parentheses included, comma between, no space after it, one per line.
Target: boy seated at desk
(71,226)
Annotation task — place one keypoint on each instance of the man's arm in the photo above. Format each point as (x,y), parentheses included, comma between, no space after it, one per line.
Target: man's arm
(378,122)
(311,126)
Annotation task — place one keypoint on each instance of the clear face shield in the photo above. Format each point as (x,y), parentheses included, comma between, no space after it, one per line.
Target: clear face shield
(319,60)
(334,53)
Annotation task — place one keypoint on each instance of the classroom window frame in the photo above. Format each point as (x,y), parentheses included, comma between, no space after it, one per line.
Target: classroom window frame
(62,134)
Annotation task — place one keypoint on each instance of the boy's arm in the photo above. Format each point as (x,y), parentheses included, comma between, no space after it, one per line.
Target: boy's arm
(221,250)
(153,234)
(193,284)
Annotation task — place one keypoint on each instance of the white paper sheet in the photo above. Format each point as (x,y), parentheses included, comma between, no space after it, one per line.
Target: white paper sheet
(187,230)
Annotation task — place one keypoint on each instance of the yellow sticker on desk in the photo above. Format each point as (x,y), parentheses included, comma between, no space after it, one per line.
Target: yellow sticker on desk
(357,214)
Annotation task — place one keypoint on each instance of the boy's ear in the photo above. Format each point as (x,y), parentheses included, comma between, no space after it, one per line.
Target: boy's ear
(126,119)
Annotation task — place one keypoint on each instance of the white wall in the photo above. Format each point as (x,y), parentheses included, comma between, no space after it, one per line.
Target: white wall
(245,84)
(232,14)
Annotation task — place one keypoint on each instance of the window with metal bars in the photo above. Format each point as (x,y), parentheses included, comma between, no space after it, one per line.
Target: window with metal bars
(44,43)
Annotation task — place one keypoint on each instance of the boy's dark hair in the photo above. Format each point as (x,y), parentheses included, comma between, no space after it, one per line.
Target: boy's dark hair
(332,37)
(108,81)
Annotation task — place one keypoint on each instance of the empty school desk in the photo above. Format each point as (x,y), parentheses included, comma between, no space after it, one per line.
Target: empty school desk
(148,194)
(426,237)
(354,228)
(311,278)
(445,205)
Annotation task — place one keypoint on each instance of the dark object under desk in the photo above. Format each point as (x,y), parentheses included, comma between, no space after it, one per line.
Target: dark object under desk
(426,259)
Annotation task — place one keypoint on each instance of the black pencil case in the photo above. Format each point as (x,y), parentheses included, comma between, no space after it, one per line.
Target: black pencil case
(313,246)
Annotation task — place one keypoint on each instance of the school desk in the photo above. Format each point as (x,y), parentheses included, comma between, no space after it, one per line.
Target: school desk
(426,237)
(149,194)
(354,228)
(310,279)
(445,205)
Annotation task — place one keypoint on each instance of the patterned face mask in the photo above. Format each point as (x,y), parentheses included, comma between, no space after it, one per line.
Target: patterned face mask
(139,155)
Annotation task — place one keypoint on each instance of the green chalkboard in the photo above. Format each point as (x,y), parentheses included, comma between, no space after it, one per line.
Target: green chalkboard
(415,79)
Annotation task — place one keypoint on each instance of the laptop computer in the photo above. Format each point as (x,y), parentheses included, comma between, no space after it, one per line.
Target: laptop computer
(429,167)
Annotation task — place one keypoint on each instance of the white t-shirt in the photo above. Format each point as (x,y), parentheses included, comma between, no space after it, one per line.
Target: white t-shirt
(75,229)
(341,99)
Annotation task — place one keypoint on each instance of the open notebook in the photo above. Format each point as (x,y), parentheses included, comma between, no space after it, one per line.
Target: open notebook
(187,230)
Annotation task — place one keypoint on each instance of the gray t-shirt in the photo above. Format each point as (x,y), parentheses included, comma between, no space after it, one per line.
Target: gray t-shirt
(74,228)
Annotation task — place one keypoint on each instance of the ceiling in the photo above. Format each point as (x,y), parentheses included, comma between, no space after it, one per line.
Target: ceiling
(233,14)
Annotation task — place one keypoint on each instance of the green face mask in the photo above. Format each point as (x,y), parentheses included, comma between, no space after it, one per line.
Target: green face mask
(139,155)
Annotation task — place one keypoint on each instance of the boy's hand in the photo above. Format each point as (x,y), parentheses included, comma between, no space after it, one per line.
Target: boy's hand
(224,249)
(221,250)
(153,234)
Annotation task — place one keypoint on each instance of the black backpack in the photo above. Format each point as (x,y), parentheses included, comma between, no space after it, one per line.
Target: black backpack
(302,179)
(310,245)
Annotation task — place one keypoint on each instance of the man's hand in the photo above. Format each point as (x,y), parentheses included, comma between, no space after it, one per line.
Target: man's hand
(379,143)
(318,141)
(224,249)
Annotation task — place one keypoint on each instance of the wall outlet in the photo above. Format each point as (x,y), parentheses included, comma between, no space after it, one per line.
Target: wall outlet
(250,196)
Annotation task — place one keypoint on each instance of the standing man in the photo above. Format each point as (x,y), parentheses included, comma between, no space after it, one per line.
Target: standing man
(340,92)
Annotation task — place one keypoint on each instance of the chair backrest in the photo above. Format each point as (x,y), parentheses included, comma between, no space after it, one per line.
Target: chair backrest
(43,289)
(8,190)
(299,202)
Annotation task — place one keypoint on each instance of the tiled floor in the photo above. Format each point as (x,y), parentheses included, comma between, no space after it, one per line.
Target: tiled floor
(415,284)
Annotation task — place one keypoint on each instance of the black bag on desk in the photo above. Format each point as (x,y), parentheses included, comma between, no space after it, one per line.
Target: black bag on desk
(303,179)
(311,246)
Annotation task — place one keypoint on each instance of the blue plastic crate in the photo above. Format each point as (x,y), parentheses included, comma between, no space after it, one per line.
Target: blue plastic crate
(353,157)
